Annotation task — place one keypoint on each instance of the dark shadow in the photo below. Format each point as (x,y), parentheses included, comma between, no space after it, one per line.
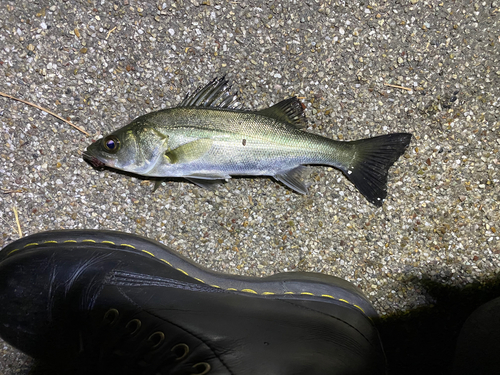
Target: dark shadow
(423,341)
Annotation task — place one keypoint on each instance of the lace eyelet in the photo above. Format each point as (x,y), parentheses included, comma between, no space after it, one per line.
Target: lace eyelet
(133,326)
(206,369)
(110,317)
(181,350)
(156,339)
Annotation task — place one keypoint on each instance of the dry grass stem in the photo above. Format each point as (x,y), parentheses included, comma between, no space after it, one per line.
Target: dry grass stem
(398,87)
(110,31)
(17,221)
(45,110)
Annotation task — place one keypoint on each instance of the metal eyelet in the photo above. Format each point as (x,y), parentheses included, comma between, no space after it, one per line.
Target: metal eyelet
(181,350)
(133,326)
(204,365)
(110,317)
(156,339)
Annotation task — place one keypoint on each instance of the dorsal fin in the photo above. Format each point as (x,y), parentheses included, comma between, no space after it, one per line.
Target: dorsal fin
(290,111)
(215,95)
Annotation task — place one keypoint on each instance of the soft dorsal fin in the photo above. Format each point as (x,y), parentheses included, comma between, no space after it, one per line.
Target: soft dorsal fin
(289,110)
(215,95)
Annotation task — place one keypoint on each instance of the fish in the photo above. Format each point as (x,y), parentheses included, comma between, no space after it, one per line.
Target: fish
(209,137)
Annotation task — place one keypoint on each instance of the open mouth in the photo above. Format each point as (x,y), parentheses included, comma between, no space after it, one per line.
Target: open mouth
(96,163)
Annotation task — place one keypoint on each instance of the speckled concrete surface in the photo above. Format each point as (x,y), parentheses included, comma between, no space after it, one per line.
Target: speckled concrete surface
(101,64)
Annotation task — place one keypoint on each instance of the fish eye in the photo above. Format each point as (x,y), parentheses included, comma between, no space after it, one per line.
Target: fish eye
(111,143)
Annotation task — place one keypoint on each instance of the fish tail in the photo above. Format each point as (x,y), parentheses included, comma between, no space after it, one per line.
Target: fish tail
(373,158)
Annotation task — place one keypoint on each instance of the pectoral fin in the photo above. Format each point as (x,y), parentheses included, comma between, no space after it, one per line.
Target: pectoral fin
(294,179)
(189,152)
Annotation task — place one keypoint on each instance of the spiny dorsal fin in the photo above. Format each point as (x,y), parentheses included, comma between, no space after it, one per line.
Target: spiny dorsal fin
(216,95)
(290,111)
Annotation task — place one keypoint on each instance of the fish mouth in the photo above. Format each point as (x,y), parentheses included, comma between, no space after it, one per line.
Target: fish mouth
(96,163)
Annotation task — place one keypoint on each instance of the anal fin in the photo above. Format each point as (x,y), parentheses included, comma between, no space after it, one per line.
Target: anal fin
(294,179)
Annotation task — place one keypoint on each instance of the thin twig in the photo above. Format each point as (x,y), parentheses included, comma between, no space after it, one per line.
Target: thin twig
(17,221)
(110,31)
(7,223)
(7,191)
(397,87)
(45,110)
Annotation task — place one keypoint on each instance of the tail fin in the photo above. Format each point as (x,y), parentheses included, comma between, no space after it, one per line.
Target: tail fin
(374,157)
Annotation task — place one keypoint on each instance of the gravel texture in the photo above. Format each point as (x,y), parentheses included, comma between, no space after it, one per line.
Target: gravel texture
(101,64)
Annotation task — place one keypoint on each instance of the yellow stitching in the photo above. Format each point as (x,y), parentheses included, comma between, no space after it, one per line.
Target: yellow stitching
(249,291)
(359,308)
(184,272)
(126,244)
(166,262)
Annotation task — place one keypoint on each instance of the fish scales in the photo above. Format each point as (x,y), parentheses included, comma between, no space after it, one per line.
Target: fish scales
(266,136)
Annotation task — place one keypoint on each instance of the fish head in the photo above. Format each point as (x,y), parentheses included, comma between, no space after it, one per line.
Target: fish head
(132,149)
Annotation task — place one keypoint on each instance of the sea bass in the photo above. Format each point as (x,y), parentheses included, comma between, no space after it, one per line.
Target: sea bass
(208,138)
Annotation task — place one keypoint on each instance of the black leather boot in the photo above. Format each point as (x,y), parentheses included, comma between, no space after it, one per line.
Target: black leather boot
(102,302)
